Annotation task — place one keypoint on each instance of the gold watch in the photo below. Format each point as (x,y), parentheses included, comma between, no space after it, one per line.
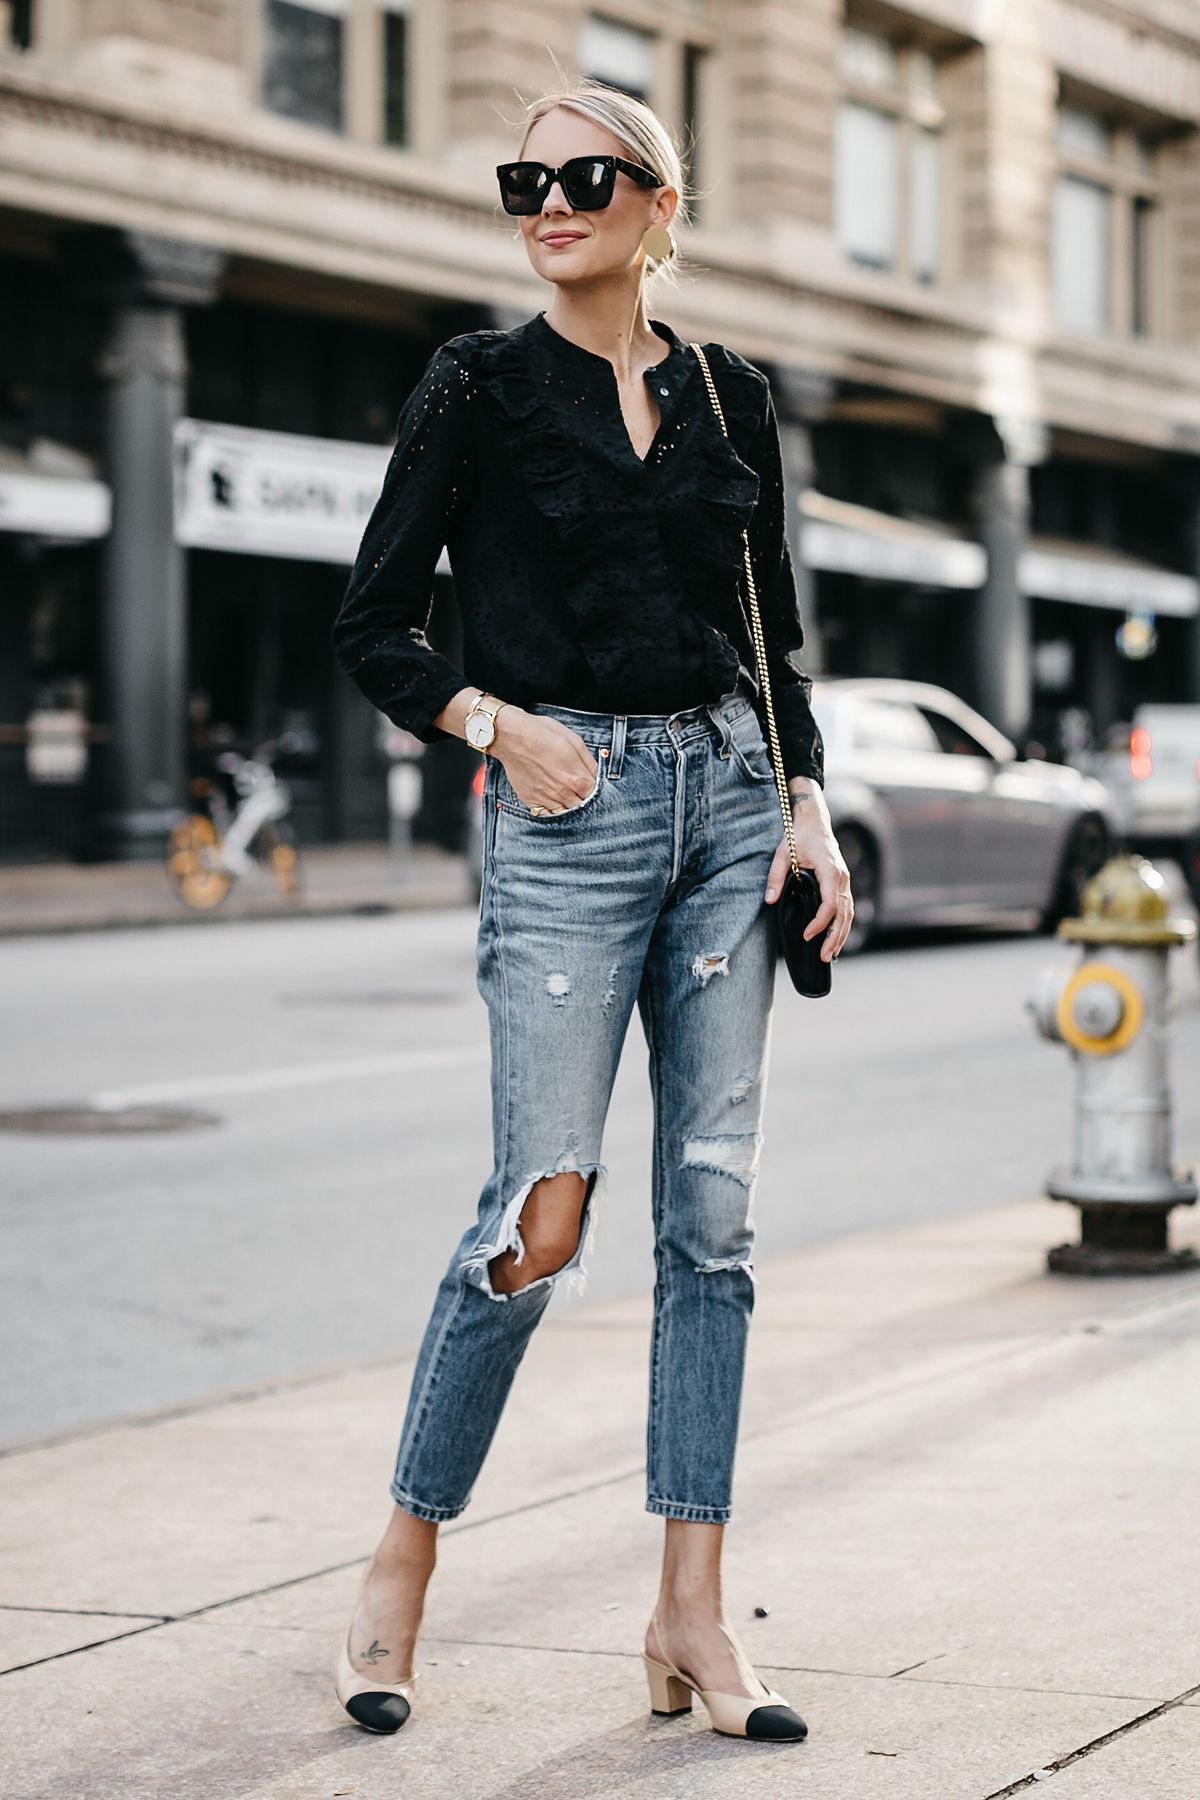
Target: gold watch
(479,727)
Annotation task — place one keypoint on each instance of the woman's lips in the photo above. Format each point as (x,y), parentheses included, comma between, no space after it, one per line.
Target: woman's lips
(563,237)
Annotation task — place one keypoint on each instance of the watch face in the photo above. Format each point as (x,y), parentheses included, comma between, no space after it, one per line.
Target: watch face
(480,730)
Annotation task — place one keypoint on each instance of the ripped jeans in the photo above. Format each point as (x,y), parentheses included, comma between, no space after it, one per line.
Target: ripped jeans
(650,891)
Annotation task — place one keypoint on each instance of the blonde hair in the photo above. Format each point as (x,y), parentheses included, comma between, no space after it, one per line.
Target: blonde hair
(636,127)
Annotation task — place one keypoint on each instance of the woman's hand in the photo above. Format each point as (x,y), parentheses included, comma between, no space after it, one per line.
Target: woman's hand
(816,849)
(548,765)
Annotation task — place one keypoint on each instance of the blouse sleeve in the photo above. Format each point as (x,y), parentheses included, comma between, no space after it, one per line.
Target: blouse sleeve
(799,736)
(379,636)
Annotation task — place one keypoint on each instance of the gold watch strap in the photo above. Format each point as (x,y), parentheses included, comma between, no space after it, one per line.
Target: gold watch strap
(487,703)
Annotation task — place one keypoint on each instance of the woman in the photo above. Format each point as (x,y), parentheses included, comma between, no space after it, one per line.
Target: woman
(593,513)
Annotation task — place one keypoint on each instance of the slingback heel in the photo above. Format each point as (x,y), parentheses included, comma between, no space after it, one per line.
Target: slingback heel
(668,1694)
(372,1704)
(761,1713)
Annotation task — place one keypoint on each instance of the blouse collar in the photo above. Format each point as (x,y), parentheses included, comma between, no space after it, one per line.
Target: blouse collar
(554,342)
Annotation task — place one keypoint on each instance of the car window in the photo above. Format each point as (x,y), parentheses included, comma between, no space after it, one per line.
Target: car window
(891,725)
(952,739)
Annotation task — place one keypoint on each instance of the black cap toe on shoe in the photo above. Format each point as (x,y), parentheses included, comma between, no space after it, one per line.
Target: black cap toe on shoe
(383,1712)
(777,1722)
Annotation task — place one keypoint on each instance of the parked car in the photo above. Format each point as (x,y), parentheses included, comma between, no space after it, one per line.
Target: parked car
(942,823)
(1152,770)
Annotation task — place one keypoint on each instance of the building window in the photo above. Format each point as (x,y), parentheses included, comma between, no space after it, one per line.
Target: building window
(924,206)
(1140,274)
(302,61)
(887,157)
(1081,255)
(693,72)
(867,200)
(397,50)
(16,23)
(1105,229)
(619,55)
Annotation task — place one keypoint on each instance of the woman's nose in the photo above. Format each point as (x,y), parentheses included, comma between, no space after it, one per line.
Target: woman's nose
(550,204)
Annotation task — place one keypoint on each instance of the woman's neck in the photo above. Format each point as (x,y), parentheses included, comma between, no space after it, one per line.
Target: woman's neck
(609,321)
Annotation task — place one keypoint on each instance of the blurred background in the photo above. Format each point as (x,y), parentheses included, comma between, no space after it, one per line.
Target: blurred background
(962,239)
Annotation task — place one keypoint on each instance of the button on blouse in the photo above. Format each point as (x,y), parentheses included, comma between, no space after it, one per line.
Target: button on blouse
(585,577)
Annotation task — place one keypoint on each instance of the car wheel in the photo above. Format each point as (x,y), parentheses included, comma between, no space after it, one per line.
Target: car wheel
(862,860)
(1087,850)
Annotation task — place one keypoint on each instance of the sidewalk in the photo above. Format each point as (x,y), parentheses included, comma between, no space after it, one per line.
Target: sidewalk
(966,1494)
(338,878)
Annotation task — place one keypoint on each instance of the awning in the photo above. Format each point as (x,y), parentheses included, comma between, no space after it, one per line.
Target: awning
(54,506)
(1090,575)
(270,493)
(856,540)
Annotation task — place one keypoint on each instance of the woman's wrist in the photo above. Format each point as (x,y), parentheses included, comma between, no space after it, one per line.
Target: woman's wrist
(453,717)
(809,810)
(508,720)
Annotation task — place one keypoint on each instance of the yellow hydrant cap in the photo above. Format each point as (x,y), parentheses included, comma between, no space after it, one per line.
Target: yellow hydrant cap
(1127,903)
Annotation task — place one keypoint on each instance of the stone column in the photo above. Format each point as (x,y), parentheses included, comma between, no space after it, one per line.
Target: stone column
(1002,654)
(147,280)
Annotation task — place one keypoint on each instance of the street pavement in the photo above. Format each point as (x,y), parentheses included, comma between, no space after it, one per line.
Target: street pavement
(965,1501)
(965,1488)
(345,1060)
(37,898)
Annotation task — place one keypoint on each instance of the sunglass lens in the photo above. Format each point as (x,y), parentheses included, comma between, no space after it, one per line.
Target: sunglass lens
(588,182)
(523,187)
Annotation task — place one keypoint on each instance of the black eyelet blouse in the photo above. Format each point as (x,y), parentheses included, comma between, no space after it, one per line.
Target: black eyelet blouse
(585,577)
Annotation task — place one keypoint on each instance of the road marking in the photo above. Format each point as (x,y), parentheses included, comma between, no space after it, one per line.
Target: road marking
(300,1075)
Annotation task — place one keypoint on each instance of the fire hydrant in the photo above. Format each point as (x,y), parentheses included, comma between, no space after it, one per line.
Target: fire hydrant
(1112,1011)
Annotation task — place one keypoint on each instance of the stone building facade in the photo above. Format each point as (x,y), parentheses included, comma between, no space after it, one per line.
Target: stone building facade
(961,236)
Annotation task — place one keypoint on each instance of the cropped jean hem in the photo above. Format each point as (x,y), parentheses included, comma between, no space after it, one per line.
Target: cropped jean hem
(691,1515)
(433,1515)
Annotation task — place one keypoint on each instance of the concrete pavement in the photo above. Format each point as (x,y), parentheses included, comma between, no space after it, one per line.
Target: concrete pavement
(965,1494)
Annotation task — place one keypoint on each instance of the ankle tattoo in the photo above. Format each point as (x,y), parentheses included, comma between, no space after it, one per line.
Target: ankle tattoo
(376,1653)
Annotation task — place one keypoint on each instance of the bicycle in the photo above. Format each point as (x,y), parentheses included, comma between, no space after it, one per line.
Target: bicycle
(241,824)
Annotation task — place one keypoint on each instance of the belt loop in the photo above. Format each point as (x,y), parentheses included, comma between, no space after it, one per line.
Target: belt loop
(616,755)
(716,713)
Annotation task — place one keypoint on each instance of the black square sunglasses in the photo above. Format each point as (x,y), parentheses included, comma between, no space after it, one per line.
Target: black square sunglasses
(587,182)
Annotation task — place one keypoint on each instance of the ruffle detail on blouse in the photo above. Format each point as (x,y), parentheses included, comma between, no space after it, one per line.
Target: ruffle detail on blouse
(705,541)
(702,502)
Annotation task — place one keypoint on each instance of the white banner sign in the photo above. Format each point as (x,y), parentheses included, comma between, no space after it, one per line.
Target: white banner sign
(51,506)
(1096,581)
(269,493)
(929,560)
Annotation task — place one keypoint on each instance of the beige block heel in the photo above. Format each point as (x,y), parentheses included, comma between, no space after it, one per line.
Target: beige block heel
(668,1693)
(761,1714)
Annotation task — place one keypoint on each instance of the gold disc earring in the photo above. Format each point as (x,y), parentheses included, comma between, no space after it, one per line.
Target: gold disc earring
(658,244)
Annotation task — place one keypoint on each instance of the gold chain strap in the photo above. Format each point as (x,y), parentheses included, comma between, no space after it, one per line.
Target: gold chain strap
(760,646)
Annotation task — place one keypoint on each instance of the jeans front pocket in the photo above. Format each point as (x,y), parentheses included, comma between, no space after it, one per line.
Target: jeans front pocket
(749,750)
(511,802)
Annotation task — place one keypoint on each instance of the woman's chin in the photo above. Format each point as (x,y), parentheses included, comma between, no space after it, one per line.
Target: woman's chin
(569,270)
(568,265)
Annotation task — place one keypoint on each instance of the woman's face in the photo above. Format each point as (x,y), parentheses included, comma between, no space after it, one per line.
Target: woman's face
(569,247)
